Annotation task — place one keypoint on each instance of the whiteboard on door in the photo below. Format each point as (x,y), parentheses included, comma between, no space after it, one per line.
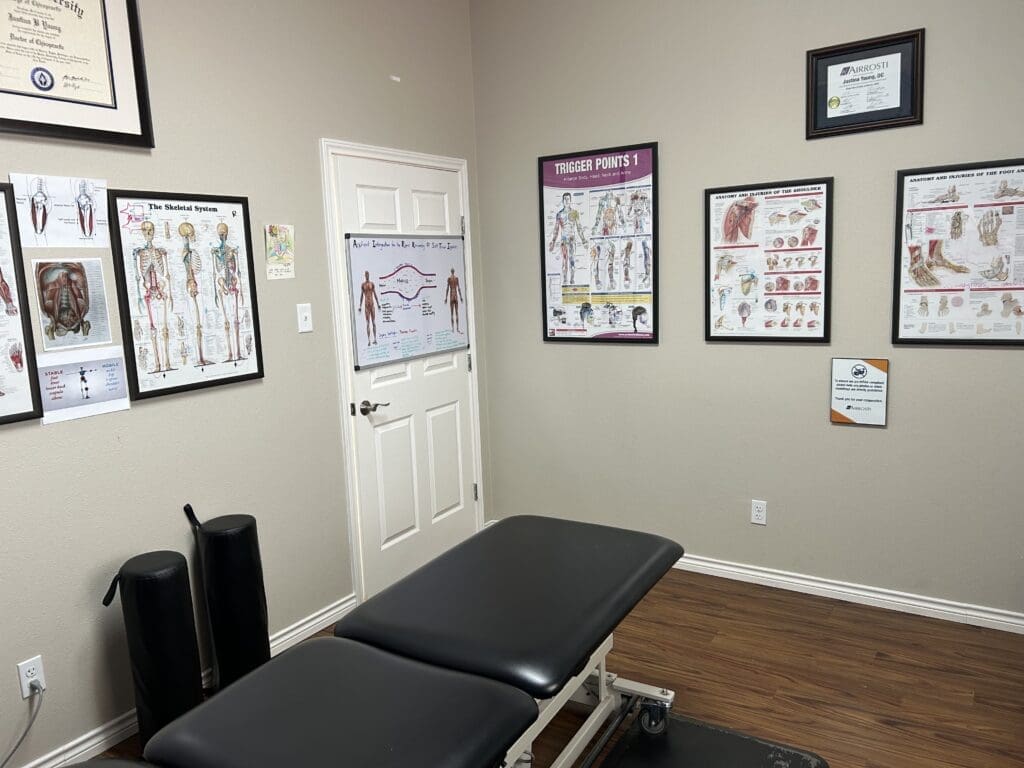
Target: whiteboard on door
(407,297)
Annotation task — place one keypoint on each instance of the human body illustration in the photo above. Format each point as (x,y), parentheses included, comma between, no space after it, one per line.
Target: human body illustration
(64,298)
(86,209)
(639,211)
(368,300)
(739,219)
(154,279)
(10,308)
(39,206)
(83,382)
(567,227)
(611,266)
(193,266)
(229,295)
(453,295)
(609,217)
(626,263)
(645,278)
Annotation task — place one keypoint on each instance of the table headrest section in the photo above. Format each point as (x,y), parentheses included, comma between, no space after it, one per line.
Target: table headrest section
(340,703)
(525,601)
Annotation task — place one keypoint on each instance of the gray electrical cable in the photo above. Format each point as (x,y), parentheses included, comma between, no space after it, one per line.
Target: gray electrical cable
(37,689)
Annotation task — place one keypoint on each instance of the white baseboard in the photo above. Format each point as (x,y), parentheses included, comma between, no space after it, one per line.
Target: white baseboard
(99,740)
(963,613)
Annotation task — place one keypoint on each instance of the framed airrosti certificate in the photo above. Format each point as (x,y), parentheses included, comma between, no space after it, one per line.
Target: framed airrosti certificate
(866,85)
(959,255)
(74,69)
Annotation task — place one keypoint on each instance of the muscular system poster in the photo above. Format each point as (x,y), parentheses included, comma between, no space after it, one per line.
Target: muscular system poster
(960,254)
(408,297)
(17,399)
(599,244)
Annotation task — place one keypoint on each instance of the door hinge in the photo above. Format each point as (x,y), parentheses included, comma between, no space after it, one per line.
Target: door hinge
(469,361)
(476,492)
(352,409)
(462,222)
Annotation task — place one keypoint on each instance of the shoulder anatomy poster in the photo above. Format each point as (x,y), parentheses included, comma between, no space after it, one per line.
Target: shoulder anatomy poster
(960,254)
(61,211)
(408,297)
(768,254)
(599,244)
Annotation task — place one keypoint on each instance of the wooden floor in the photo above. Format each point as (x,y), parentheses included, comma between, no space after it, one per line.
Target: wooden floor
(862,687)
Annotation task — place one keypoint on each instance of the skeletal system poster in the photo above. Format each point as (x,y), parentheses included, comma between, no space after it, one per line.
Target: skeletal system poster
(408,297)
(185,281)
(960,254)
(599,217)
(768,261)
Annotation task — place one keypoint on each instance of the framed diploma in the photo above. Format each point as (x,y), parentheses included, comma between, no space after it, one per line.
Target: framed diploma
(959,255)
(19,385)
(599,245)
(866,85)
(768,261)
(186,289)
(74,69)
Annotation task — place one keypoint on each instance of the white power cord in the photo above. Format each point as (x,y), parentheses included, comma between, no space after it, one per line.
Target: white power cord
(37,693)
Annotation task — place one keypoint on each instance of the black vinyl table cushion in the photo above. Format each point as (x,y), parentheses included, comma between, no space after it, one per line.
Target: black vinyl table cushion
(334,702)
(525,601)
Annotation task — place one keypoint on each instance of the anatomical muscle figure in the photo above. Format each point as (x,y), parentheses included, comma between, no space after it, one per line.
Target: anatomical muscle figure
(367,299)
(567,227)
(154,280)
(86,210)
(229,294)
(193,266)
(739,219)
(40,205)
(64,297)
(609,217)
(5,293)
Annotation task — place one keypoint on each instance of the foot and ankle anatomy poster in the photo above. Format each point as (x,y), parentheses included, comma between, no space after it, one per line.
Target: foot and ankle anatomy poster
(599,244)
(408,297)
(959,274)
(768,261)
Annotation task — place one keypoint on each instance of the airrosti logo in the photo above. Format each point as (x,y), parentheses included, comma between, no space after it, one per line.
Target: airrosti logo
(874,67)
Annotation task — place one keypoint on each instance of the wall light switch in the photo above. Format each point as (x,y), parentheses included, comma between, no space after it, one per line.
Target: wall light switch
(305,313)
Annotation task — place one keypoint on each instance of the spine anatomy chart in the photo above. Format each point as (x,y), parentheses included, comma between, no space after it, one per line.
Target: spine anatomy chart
(599,244)
(768,252)
(960,255)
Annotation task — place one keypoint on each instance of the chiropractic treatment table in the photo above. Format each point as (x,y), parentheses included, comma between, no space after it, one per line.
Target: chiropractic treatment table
(459,665)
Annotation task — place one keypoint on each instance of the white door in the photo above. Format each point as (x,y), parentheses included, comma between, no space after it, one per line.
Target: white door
(414,461)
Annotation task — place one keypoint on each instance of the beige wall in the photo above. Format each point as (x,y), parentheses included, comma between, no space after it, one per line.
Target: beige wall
(241,93)
(680,437)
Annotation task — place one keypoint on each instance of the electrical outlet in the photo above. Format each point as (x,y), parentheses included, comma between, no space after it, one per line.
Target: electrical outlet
(758,512)
(28,671)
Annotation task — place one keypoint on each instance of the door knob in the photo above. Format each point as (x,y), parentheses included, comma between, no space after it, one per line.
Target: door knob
(366,407)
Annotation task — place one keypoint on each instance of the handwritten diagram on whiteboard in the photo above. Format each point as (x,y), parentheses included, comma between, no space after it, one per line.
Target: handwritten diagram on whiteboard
(408,297)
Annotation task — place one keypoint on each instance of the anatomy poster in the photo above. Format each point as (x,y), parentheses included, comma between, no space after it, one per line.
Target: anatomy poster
(19,398)
(185,283)
(767,260)
(279,240)
(72,300)
(960,254)
(408,297)
(61,211)
(599,244)
(82,382)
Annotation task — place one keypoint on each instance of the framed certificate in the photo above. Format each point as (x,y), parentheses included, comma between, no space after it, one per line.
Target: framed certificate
(866,85)
(74,69)
(959,255)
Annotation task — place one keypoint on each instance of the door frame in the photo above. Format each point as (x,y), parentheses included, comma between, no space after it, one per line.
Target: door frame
(330,149)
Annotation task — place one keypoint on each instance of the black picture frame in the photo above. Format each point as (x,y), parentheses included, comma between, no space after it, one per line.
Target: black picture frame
(828,182)
(956,173)
(910,111)
(124,299)
(142,136)
(21,289)
(546,330)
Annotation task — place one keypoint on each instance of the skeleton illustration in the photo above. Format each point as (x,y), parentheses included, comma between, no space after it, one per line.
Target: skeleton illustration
(998,269)
(921,268)
(17,355)
(787,308)
(10,308)
(956,225)
(137,329)
(723,264)
(801,308)
(39,205)
(777,218)
(811,205)
(639,210)
(739,219)
(747,282)
(812,260)
(626,264)
(639,316)
(795,216)
(1011,306)
(808,235)
(1005,190)
(225,261)
(721,324)
(567,227)
(193,266)
(943,306)
(800,261)
(143,355)
(183,351)
(815,307)
(86,209)
(64,297)
(984,310)
(988,227)
(922,306)
(772,261)
(153,280)
(723,295)
(949,196)
(83,382)
(609,215)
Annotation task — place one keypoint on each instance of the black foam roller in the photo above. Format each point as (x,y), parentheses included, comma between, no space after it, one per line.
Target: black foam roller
(236,600)
(156,601)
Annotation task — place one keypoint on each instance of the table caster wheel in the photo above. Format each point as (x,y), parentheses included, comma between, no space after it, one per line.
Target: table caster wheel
(653,719)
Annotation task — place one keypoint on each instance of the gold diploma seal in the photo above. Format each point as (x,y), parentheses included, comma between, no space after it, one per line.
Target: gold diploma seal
(833,103)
